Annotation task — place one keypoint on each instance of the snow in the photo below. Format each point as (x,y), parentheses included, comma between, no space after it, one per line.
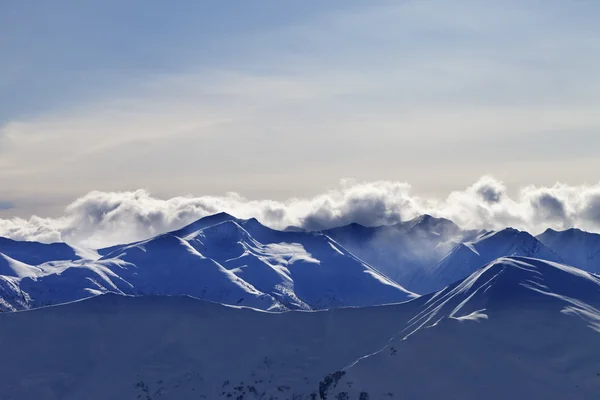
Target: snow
(492,335)
(16,269)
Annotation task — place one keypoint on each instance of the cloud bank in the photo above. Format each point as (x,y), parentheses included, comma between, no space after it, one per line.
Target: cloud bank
(105,218)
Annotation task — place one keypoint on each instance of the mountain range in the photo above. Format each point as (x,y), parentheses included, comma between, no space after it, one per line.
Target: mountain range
(220,258)
(241,262)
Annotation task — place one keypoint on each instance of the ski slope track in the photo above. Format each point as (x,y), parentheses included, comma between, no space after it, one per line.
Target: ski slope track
(517,328)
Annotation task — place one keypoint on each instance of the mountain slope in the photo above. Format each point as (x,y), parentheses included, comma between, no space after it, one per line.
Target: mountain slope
(403,251)
(301,269)
(168,265)
(575,247)
(469,256)
(531,323)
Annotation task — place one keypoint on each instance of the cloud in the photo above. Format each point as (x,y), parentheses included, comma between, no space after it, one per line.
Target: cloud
(591,210)
(104,218)
(489,189)
(549,207)
(45,230)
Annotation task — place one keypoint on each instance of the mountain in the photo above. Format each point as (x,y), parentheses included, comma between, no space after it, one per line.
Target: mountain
(518,328)
(575,247)
(468,256)
(403,251)
(218,258)
(515,328)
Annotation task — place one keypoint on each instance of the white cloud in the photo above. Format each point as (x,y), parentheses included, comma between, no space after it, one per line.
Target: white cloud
(105,218)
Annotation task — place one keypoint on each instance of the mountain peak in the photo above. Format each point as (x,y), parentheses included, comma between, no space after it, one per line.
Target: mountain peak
(220,215)
(469,256)
(501,234)
(422,218)
(549,231)
(576,247)
(501,280)
(511,282)
(433,224)
(204,222)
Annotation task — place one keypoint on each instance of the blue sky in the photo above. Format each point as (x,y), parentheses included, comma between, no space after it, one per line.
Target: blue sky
(278,99)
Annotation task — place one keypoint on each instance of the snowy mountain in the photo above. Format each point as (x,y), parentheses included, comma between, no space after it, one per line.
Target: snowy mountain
(220,259)
(471,255)
(576,247)
(241,262)
(516,328)
(403,251)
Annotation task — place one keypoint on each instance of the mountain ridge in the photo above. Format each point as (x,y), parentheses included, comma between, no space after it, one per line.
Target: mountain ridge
(219,258)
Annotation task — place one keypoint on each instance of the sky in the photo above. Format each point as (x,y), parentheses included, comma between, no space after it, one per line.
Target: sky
(277,102)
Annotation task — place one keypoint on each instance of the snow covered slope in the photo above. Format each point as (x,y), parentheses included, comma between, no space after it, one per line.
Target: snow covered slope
(403,251)
(220,259)
(469,256)
(517,328)
(575,247)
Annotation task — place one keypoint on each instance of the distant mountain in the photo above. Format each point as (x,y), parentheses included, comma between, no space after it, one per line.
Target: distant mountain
(241,262)
(516,328)
(37,253)
(576,247)
(403,251)
(469,256)
(218,258)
